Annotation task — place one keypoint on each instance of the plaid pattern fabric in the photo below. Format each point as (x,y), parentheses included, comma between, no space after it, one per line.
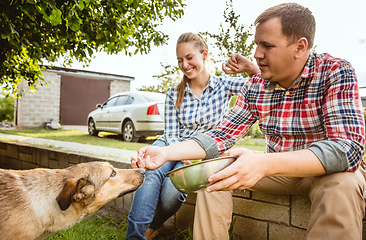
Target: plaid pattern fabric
(322,104)
(199,114)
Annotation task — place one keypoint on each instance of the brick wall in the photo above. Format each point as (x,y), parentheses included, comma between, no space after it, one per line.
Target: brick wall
(36,108)
(119,86)
(256,215)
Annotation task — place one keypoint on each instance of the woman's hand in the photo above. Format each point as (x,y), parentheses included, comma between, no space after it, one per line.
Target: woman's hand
(149,158)
(238,64)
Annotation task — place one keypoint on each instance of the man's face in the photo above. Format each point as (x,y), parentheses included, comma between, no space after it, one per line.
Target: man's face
(275,57)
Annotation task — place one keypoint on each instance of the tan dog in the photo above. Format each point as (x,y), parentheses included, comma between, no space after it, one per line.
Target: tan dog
(36,203)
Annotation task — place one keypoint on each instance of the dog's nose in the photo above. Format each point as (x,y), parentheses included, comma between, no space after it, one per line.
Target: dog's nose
(142,171)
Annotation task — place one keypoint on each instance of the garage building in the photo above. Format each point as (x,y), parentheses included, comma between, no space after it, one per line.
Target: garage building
(68,96)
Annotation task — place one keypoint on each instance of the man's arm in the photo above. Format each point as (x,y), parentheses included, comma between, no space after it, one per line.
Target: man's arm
(250,167)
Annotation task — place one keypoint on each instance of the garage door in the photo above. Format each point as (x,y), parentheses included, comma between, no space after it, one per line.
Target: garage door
(79,96)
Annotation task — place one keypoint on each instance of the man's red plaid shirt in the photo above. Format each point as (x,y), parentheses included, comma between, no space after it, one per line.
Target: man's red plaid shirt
(322,104)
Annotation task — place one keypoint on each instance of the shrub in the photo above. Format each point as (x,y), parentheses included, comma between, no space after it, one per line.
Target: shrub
(7,109)
(255,132)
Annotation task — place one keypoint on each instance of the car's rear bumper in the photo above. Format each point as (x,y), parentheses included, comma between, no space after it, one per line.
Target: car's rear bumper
(149,133)
(149,128)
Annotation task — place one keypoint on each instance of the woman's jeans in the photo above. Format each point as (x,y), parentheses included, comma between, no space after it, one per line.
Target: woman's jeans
(155,201)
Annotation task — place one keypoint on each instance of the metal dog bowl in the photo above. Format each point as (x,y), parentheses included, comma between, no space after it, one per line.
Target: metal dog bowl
(194,177)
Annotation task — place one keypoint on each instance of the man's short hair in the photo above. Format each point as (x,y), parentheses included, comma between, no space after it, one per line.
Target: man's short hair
(297,21)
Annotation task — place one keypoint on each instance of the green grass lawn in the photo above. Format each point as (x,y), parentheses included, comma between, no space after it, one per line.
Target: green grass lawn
(104,139)
(95,227)
(110,140)
(106,228)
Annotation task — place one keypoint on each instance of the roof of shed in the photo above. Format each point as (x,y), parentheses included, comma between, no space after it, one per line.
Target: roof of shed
(88,73)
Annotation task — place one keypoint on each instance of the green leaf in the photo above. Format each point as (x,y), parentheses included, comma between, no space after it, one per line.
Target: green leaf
(55,17)
(99,36)
(81,5)
(41,9)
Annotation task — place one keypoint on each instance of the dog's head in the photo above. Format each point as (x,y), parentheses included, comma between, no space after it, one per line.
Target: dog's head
(94,184)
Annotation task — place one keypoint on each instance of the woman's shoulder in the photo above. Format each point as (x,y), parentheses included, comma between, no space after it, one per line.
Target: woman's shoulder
(172,91)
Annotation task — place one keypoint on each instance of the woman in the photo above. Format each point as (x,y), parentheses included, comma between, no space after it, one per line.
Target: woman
(197,104)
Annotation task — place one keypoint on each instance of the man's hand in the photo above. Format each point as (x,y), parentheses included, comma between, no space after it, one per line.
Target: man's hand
(238,64)
(149,158)
(241,174)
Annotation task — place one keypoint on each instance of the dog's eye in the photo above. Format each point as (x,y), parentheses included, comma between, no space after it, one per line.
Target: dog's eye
(114,173)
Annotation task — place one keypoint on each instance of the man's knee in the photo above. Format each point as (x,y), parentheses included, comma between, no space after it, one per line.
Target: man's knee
(344,183)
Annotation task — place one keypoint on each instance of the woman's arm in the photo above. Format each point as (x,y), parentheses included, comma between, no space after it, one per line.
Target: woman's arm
(171,121)
(151,157)
(238,64)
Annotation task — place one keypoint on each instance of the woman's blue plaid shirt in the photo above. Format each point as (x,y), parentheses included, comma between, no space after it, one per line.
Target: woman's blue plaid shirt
(199,114)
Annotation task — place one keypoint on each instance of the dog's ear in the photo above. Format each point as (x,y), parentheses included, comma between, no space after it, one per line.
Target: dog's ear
(76,190)
(85,190)
(65,197)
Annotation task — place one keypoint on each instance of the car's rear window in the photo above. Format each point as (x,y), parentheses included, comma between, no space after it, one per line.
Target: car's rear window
(153,97)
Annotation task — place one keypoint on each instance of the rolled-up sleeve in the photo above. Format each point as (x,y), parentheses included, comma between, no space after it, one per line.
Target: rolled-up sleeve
(331,155)
(343,119)
(208,144)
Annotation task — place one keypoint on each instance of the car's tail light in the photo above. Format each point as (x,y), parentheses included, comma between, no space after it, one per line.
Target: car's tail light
(153,110)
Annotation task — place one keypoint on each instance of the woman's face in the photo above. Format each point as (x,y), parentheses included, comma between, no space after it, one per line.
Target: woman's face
(190,59)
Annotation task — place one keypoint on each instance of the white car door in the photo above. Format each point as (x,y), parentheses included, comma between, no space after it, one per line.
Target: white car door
(102,118)
(118,111)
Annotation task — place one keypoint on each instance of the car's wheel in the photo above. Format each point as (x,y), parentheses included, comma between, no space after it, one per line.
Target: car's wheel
(91,128)
(128,132)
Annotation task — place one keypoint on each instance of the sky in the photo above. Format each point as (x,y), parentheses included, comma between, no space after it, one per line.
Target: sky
(341,32)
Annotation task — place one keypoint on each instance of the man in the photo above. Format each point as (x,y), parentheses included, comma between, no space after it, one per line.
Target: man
(308,106)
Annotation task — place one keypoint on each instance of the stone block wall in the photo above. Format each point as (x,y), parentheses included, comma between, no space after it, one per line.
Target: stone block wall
(255,215)
(258,215)
(33,109)
(119,86)
(270,216)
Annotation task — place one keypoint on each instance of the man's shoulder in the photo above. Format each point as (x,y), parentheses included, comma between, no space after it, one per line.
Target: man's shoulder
(325,59)
(323,62)
(255,84)
(256,79)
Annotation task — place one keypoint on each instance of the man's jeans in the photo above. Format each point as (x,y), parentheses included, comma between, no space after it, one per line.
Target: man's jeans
(155,201)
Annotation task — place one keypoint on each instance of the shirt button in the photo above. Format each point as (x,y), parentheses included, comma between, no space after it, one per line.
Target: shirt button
(281,120)
(287,92)
(283,139)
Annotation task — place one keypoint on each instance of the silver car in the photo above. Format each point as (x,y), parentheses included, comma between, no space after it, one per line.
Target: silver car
(132,114)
